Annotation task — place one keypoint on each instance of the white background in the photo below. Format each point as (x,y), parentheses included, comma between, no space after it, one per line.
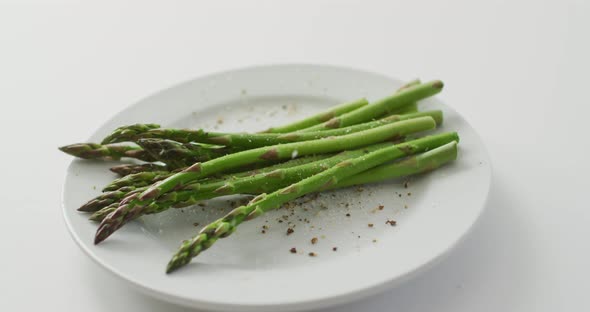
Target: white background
(517,70)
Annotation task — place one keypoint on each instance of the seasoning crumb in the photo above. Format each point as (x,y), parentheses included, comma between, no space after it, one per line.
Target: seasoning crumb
(391,222)
(348,214)
(293,250)
(374,240)
(409,194)
(370,225)
(334,248)
(263,231)
(290,231)
(265,227)
(312,254)
(280,221)
(380,207)
(314,240)
(196,224)
(406,183)
(400,195)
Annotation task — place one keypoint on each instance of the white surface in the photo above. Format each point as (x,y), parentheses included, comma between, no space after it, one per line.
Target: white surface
(516,70)
(255,272)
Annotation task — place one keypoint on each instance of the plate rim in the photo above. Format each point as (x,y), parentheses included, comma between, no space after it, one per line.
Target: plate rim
(326,301)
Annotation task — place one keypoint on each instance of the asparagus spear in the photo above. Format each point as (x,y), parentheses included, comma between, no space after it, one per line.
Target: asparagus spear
(282,151)
(290,150)
(251,140)
(119,188)
(106,152)
(102,213)
(407,109)
(225,226)
(127,169)
(120,133)
(424,162)
(109,198)
(334,112)
(250,184)
(319,118)
(177,155)
(138,179)
(382,107)
(273,180)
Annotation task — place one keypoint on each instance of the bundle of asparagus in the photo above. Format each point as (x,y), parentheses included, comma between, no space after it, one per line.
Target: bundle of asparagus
(351,144)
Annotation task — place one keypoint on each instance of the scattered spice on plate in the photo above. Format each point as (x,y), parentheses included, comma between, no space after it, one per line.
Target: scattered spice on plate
(334,248)
(293,250)
(348,214)
(391,222)
(314,240)
(374,240)
(312,254)
(380,207)
(290,231)
(409,194)
(370,225)
(196,224)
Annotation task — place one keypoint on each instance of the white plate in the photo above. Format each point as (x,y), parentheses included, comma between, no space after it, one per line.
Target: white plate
(251,271)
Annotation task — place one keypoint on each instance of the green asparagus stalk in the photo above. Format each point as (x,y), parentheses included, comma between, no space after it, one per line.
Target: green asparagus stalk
(130,131)
(409,108)
(225,226)
(119,188)
(282,151)
(105,152)
(271,181)
(251,140)
(382,107)
(138,179)
(127,169)
(250,184)
(102,213)
(178,155)
(319,118)
(290,150)
(421,163)
(109,198)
